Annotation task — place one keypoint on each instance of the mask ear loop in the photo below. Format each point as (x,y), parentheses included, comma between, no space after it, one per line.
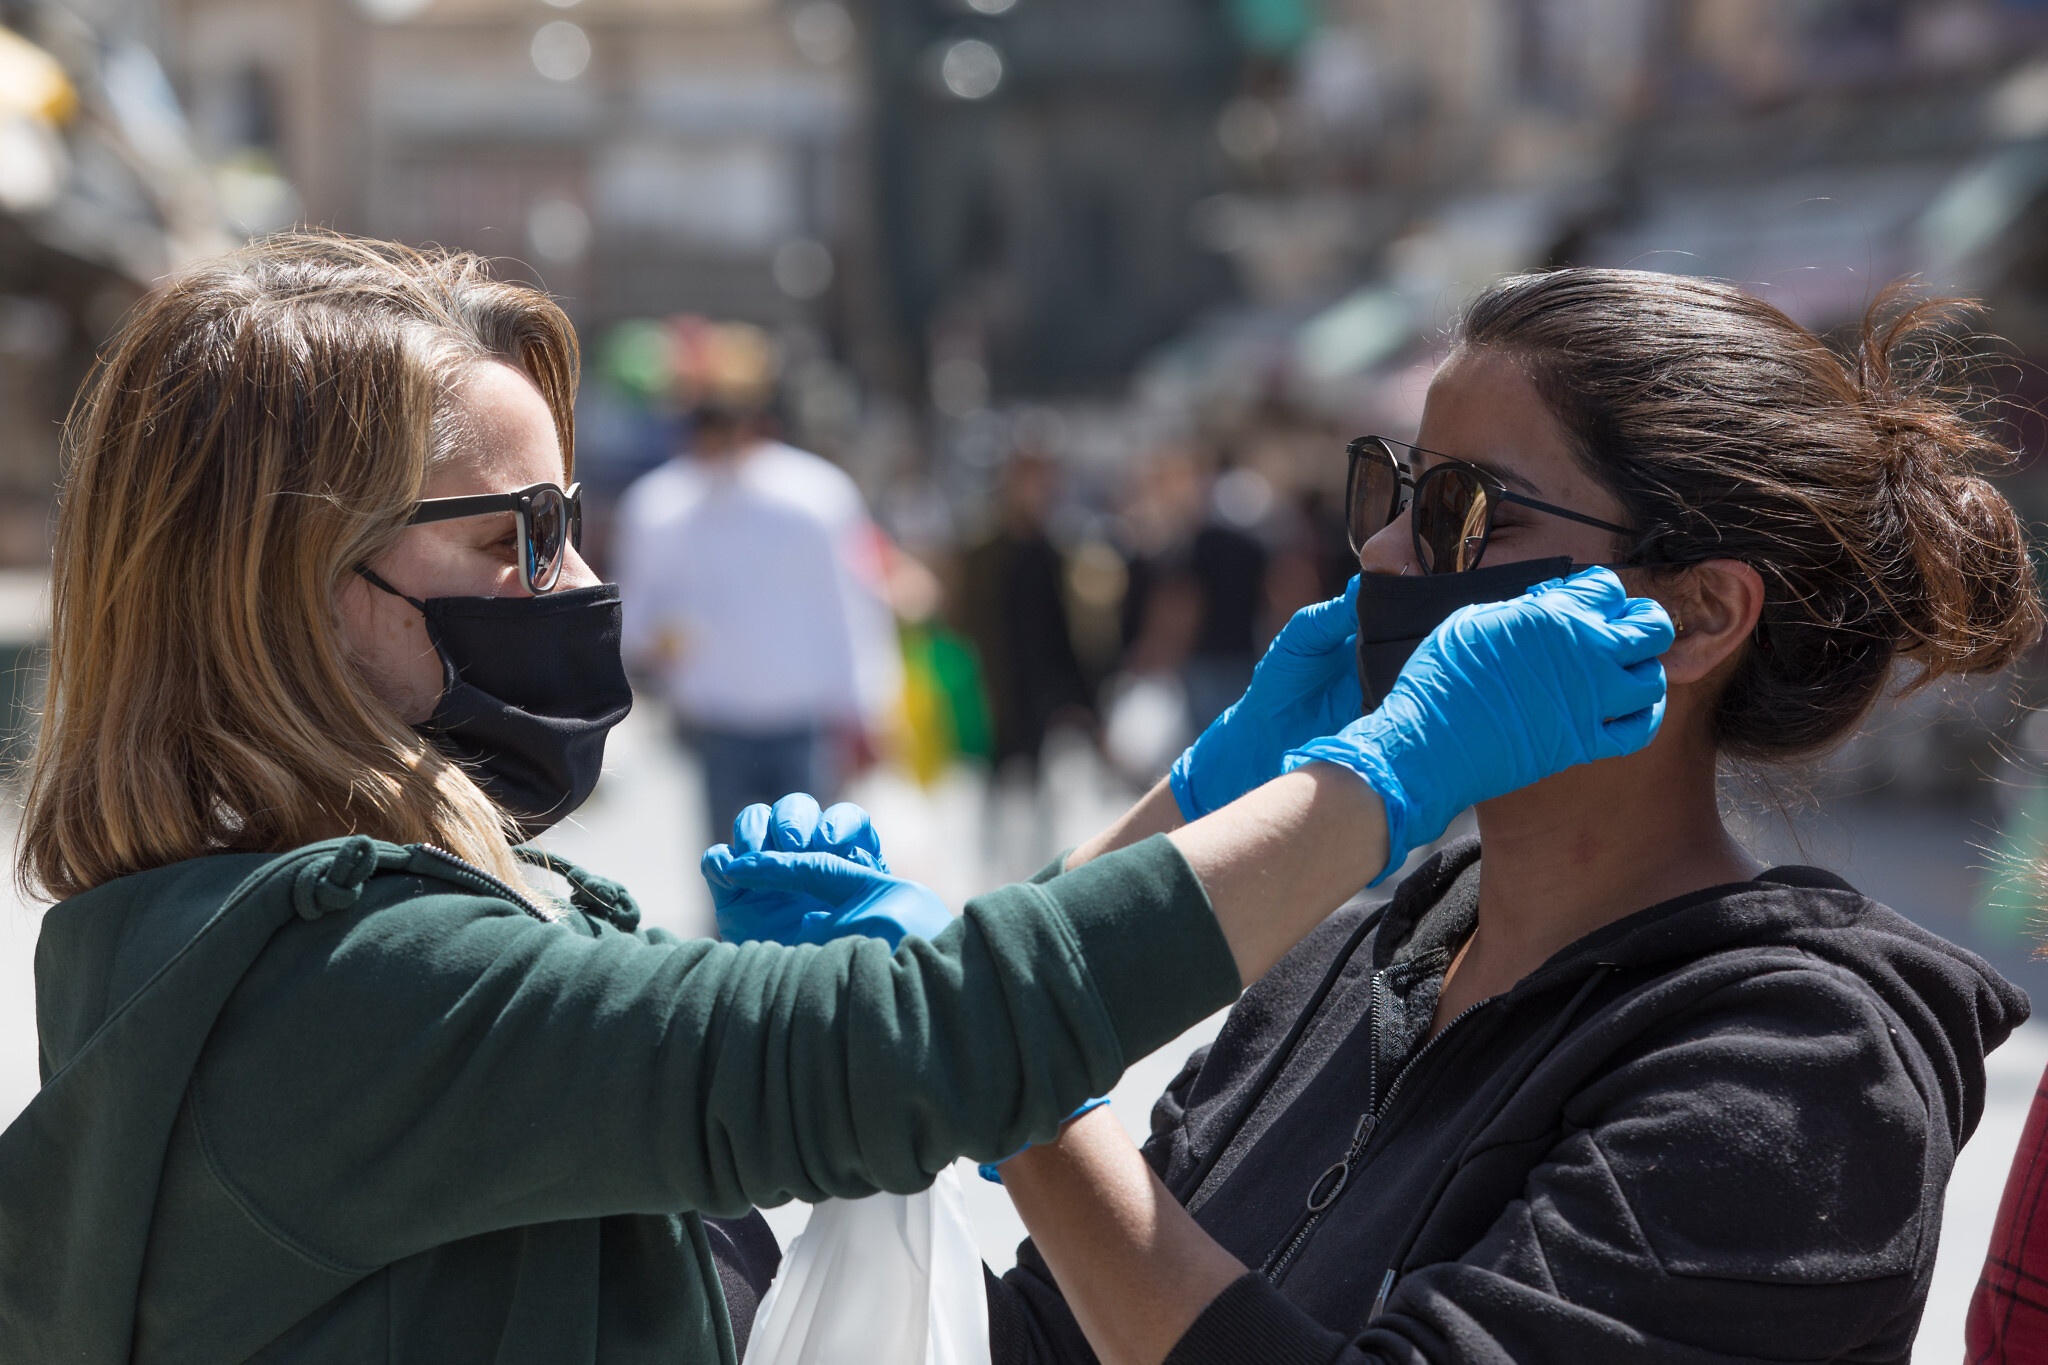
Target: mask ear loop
(448,675)
(371,574)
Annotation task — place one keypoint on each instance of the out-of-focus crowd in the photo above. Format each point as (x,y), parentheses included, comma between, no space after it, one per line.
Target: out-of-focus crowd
(798,636)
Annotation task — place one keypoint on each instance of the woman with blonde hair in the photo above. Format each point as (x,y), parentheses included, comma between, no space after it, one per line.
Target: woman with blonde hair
(326,1077)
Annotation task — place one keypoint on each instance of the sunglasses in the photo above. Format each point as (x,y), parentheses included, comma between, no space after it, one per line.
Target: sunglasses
(1452,504)
(550,520)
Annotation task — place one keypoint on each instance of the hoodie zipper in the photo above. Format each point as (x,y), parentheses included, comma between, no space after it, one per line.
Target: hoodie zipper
(1338,1174)
(475,873)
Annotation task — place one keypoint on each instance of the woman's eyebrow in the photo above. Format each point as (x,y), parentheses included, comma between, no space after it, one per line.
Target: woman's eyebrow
(1509,477)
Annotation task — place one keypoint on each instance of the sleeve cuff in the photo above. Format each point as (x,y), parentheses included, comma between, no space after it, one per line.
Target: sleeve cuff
(1057,867)
(1250,1321)
(1150,939)
(1370,769)
(1183,796)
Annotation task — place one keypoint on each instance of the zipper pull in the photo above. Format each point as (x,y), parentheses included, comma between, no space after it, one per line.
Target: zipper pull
(1334,1178)
(1379,1303)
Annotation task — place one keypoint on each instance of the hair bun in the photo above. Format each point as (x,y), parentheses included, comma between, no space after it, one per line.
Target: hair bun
(1962,589)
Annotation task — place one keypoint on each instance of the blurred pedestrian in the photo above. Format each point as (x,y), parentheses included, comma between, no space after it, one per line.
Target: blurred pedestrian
(1197,596)
(755,591)
(1229,564)
(1013,606)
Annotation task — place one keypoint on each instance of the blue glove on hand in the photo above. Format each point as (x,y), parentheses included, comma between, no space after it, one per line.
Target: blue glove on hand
(1504,694)
(796,874)
(796,825)
(1306,686)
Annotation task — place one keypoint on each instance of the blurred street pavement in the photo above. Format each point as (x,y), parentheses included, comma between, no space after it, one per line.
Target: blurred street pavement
(643,826)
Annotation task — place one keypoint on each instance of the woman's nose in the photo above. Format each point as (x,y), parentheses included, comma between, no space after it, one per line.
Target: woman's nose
(576,571)
(1391,549)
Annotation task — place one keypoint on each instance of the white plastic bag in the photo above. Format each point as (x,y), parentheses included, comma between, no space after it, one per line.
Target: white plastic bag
(893,1279)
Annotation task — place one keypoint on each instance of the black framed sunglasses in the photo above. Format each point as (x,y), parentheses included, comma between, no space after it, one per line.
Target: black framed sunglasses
(1453,504)
(550,520)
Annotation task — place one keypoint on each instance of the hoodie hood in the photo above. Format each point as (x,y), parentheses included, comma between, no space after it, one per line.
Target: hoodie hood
(1956,1005)
(130,978)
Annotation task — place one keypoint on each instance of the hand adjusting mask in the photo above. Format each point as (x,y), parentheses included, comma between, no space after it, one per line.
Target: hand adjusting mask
(1451,513)
(530,688)
(1396,612)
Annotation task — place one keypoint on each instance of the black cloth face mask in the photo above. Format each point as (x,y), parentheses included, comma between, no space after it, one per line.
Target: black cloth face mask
(1396,612)
(530,688)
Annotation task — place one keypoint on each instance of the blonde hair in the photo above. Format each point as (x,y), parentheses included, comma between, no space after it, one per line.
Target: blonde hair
(260,426)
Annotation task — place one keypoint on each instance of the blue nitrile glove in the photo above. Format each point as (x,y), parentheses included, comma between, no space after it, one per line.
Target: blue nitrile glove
(796,825)
(993,1170)
(799,875)
(1504,694)
(1306,686)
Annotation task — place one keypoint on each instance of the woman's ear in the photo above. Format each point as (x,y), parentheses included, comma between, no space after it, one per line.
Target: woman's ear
(1714,607)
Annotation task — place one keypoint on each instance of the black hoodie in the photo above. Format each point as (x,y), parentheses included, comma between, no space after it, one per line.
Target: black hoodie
(1717,1130)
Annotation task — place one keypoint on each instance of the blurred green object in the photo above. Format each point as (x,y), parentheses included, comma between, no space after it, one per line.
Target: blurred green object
(945,711)
(638,357)
(1273,28)
(958,670)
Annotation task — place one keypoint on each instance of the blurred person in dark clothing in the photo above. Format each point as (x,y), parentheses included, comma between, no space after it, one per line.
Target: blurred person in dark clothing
(1228,565)
(1214,573)
(1013,606)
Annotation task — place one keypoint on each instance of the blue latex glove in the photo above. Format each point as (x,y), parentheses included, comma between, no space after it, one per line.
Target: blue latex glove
(992,1171)
(1305,687)
(796,874)
(796,825)
(1502,695)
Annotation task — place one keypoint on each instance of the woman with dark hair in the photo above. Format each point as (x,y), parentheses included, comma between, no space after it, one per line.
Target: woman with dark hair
(1593,1086)
(333,1071)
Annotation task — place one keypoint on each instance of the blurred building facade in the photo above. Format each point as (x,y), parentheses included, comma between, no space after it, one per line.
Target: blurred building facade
(1388,111)
(1000,183)
(1035,163)
(640,156)
(1397,154)
(101,192)
(981,201)
(975,204)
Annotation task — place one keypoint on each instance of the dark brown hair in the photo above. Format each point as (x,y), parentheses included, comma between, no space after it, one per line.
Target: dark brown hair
(1851,483)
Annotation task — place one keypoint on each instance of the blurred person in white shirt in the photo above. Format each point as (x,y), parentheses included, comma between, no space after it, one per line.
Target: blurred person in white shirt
(754,590)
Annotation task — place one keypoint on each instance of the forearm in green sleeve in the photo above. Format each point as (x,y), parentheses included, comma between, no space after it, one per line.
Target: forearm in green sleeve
(973,1044)
(444,1066)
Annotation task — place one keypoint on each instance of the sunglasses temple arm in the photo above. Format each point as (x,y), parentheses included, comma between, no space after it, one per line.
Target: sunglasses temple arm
(454,509)
(1567,514)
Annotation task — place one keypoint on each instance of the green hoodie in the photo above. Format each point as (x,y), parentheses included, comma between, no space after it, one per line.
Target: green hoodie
(357,1103)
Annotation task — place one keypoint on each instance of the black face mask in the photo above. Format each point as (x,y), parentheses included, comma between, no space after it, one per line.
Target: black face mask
(531,686)
(1396,612)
